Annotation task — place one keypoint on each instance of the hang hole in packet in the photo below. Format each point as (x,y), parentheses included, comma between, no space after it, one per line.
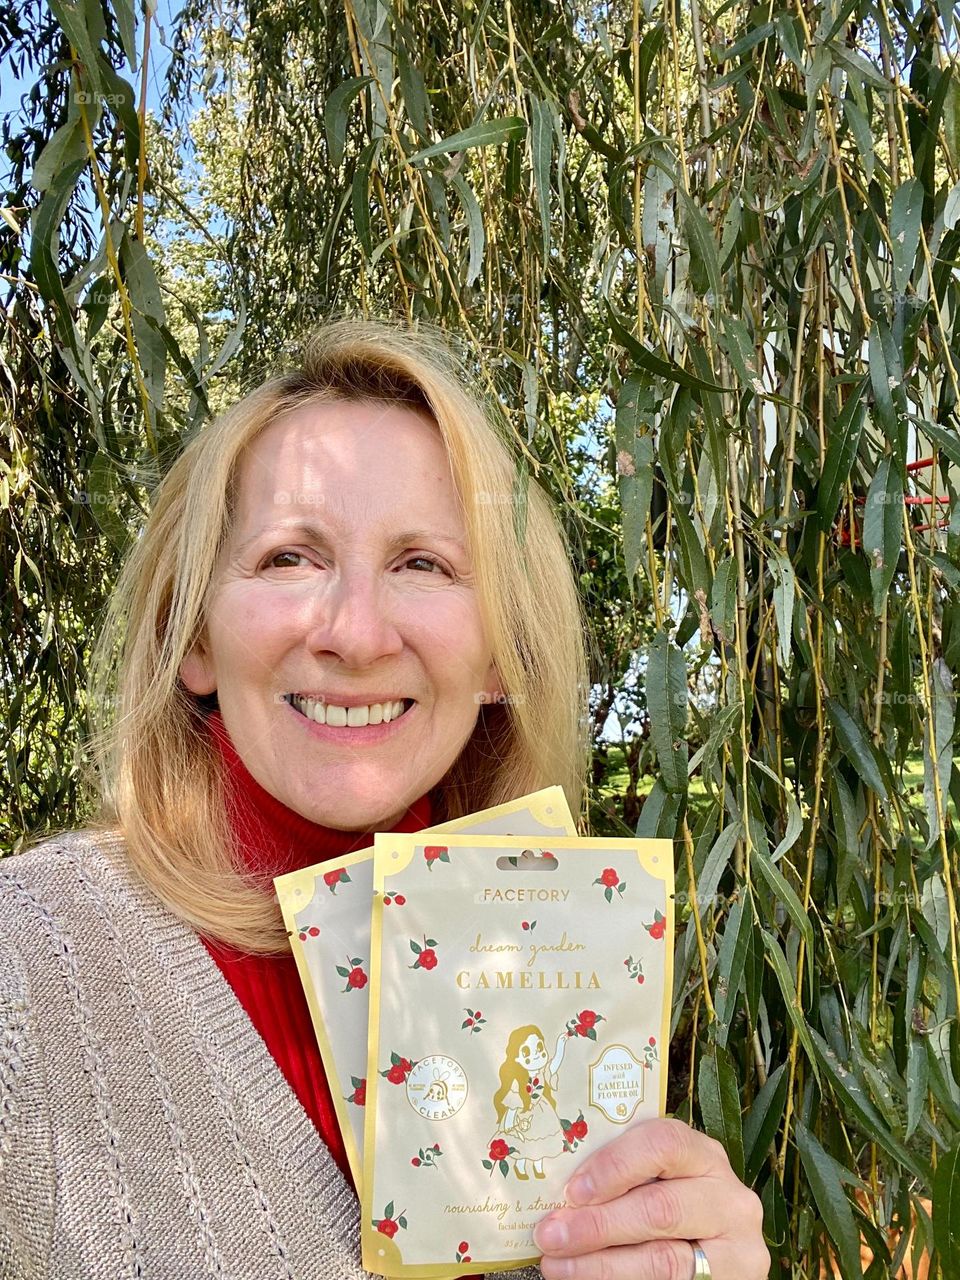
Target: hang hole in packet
(519,1017)
(327,909)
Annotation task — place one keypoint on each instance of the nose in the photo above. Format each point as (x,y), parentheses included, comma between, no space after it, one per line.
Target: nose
(351,618)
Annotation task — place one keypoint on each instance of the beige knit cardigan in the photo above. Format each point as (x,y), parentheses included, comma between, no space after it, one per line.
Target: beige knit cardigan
(145,1130)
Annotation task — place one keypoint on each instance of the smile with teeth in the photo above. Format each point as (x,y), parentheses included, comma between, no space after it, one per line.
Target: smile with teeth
(348,717)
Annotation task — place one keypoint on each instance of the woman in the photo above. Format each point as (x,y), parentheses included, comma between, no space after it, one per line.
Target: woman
(526,1108)
(314,639)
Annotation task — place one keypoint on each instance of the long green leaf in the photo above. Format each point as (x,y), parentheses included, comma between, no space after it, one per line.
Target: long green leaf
(882,526)
(489,133)
(335,113)
(946,1211)
(667,699)
(856,746)
(832,1202)
(841,451)
(719,1100)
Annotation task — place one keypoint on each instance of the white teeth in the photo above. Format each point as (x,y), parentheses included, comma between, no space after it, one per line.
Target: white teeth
(348,717)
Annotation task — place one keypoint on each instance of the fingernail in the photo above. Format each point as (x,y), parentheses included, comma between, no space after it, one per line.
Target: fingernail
(551,1234)
(558,1268)
(579,1190)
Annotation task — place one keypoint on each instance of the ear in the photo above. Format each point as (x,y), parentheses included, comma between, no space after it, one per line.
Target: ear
(197,671)
(493,688)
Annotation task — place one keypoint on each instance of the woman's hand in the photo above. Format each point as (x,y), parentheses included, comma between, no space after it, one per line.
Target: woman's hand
(639,1202)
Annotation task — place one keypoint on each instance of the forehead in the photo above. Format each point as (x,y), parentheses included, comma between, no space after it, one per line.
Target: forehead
(532,1042)
(348,434)
(325,459)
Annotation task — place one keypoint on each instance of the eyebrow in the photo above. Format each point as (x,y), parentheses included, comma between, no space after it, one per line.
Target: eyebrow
(315,533)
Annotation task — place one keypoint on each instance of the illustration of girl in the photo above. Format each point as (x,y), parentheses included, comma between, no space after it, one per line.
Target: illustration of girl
(526,1110)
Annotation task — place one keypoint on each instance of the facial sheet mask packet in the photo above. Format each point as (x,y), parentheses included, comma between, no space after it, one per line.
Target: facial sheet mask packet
(519,1016)
(326,910)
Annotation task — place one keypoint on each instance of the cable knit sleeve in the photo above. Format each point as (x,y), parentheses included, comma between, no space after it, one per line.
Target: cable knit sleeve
(26,1173)
(522,1273)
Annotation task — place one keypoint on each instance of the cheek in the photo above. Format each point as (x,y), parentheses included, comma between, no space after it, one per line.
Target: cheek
(449,627)
(246,630)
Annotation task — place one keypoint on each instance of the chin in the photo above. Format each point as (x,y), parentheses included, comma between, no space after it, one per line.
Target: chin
(358,817)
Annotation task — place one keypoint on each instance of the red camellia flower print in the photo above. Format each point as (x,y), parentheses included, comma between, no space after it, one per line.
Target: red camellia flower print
(463,1251)
(426,957)
(474,1022)
(497,1157)
(390,1223)
(611,882)
(435,853)
(427,1157)
(574,1132)
(658,928)
(359,1095)
(332,878)
(353,974)
(398,1070)
(585,1024)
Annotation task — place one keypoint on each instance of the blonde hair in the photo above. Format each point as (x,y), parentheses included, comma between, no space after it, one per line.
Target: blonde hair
(513,1075)
(159,779)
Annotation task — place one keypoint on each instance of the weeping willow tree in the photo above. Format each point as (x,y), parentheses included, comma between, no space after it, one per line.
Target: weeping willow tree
(703,259)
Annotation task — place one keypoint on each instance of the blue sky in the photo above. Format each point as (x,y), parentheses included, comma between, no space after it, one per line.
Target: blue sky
(12,87)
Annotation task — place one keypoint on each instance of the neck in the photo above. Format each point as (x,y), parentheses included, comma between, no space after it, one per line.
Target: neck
(272,839)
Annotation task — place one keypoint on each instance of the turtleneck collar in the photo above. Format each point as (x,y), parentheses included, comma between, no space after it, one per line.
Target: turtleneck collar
(272,838)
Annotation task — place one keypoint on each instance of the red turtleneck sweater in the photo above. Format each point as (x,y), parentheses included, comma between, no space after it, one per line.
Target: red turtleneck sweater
(271,836)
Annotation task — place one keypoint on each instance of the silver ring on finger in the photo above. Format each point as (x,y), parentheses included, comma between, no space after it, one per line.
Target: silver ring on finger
(701,1264)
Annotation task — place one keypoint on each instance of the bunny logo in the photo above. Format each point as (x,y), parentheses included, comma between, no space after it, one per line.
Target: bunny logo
(437,1087)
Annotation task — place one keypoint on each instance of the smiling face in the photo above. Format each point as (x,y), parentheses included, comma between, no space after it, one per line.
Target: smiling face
(533,1054)
(346,581)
